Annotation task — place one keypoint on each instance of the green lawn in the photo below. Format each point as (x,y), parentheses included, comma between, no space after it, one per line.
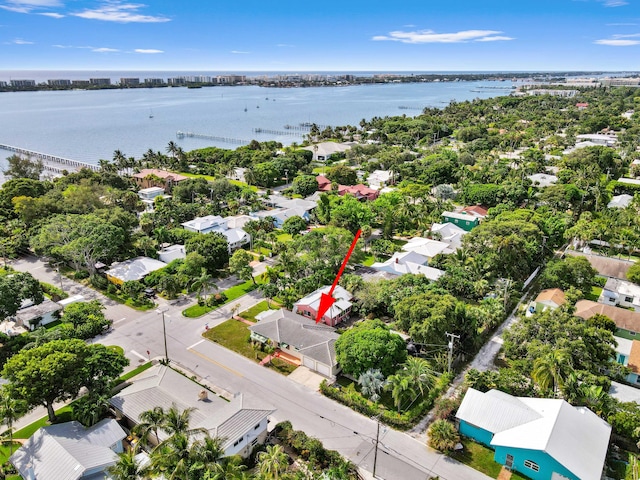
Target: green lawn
(63,414)
(135,371)
(232,293)
(251,313)
(5,452)
(285,238)
(594,294)
(234,335)
(369,260)
(478,457)
(242,289)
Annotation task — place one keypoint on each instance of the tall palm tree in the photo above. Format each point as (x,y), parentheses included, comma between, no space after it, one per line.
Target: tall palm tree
(11,409)
(272,463)
(421,374)
(150,422)
(202,283)
(550,370)
(172,148)
(127,467)
(401,388)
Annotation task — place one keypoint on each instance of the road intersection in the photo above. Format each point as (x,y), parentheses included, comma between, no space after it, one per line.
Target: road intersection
(140,334)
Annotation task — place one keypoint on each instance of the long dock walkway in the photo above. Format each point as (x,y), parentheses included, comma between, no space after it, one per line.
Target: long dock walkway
(51,163)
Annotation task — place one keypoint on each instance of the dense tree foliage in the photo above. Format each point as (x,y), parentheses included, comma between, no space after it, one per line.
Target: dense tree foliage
(369,345)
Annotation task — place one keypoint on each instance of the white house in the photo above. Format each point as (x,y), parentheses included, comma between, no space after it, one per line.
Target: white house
(34,316)
(449,233)
(70,451)
(379,178)
(171,253)
(133,269)
(621,292)
(427,247)
(408,262)
(148,196)
(241,422)
(236,237)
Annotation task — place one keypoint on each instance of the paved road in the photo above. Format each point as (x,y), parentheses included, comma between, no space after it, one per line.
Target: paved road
(399,457)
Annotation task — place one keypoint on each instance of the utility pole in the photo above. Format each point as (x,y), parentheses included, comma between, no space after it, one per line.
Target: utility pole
(164,333)
(452,337)
(375,452)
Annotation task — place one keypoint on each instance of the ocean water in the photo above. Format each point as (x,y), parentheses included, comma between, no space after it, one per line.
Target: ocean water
(91,125)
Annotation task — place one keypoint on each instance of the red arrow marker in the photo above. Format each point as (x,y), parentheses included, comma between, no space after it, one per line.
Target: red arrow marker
(326,299)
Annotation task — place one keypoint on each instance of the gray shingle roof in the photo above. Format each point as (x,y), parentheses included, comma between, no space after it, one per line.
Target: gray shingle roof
(313,340)
(66,450)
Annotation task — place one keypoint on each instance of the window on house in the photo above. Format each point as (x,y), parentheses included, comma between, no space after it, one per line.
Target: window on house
(256,427)
(254,442)
(628,299)
(532,465)
(235,444)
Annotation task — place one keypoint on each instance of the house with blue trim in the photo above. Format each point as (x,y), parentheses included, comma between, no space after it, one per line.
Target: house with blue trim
(542,438)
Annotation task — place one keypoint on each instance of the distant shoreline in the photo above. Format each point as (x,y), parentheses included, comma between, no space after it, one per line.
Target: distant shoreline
(285,80)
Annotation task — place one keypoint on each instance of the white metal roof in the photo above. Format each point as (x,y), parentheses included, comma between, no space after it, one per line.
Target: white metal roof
(574,436)
(66,450)
(135,268)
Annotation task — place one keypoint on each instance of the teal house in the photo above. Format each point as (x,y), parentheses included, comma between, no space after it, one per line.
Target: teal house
(542,438)
(464,220)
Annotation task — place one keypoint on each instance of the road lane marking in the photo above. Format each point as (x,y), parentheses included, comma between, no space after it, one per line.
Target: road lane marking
(138,355)
(211,360)
(121,320)
(195,344)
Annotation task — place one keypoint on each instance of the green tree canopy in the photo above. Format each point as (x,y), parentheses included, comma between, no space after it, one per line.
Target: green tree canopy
(370,345)
(14,289)
(56,370)
(213,247)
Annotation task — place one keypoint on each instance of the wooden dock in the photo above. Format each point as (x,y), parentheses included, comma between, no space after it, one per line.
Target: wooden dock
(52,163)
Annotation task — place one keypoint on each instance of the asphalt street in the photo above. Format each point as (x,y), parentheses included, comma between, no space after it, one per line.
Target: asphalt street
(140,334)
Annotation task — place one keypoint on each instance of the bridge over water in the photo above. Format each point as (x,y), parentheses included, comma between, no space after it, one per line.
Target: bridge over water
(51,163)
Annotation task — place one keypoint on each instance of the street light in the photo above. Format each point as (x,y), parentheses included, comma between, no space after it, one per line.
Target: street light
(286,174)
(59,275)
(164,333)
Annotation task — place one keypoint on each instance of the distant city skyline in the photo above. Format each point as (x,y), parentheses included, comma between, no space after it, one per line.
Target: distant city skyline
(462,35)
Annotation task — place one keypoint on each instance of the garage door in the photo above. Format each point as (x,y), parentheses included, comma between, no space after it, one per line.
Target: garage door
(323,369)
(309,362)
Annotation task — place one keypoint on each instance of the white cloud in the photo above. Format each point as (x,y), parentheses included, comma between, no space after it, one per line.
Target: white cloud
(429,36)
(239,52)
(621,24)
(614,3)
(494,39)
(27,6)
(115,11)
(52,15)
(617,42)
(105,50)
(19,41)
(148,50)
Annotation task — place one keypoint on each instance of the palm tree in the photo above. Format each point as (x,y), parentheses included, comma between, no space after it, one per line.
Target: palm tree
(119,160)
(442,436)
(202,283)
(127,467)
(176,422)
(172,148)
(90,409)
(273,462)
(371,382)
(11,410)
(401,388)
(550,370)
(172,458)
(150,421)
(421,374)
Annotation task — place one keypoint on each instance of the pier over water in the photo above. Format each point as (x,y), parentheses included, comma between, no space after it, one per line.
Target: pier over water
(52,163)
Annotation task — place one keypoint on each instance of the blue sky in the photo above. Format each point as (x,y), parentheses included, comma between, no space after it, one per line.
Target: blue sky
(325,35)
